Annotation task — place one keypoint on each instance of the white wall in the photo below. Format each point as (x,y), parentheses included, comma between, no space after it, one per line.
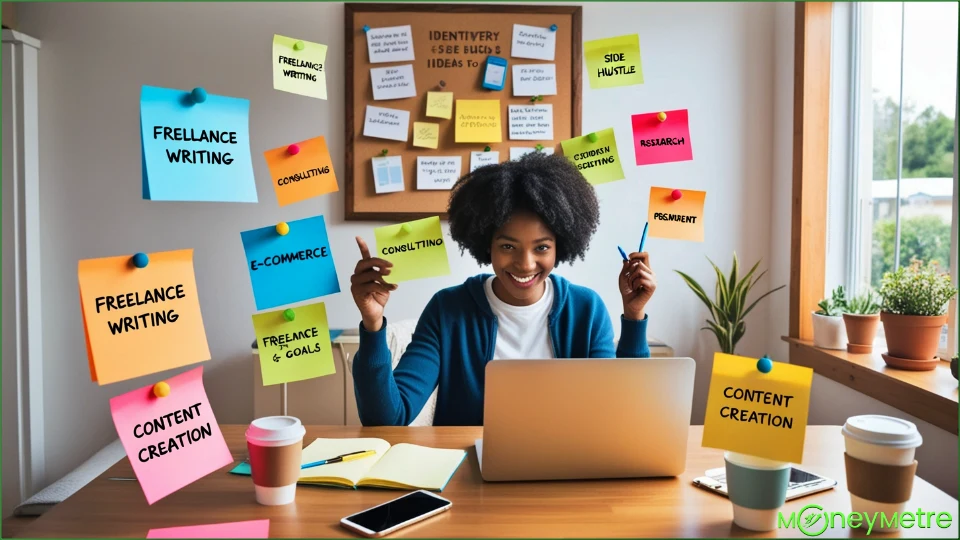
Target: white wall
(717,60)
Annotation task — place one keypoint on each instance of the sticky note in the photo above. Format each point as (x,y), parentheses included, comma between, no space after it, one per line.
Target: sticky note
(661,142)
(391,44)
(479,159)
(171,441)
(440,104)
(680,219)
(535,80)
(517,152)
(531,122)
(437,172)
(299,71)
(290,268)
(599,162)
(140,321)
(384,123)
(259,528)
(533,42)
(195,151)
(294,350)
(478,120)
(308,173)
(416,249)
(387,174)
(614,61)
(394,82)
(755,413)
(426,134)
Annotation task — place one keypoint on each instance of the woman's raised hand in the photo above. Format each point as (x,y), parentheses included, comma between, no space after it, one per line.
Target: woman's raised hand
(370,291)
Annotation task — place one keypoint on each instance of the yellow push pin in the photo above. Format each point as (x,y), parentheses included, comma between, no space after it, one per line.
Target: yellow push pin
(283,228)
(161,389)
(405,229)
(662,116)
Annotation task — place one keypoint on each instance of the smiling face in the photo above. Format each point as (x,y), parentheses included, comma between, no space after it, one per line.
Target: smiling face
(523,253)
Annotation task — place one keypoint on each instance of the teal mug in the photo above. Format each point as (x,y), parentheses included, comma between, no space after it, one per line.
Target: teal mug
(757,488)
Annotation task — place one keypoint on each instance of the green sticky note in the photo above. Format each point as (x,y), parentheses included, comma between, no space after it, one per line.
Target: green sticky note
(614,61)
(415,248)
(294,350)
(299,71)
(599,161)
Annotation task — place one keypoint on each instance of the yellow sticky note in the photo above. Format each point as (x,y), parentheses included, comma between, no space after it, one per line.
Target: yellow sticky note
(599,161)
(415,248)
(614,61)
(755,413)
(440,104)
(297,349)
(426,134)
(678,219)
(298,67)
(478,121)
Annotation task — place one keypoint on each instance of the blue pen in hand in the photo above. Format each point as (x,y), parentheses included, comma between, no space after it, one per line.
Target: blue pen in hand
(622,254)
(643,239)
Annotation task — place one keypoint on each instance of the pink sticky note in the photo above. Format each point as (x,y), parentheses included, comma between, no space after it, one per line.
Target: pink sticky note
(661,142)
(259,528)
(170,441)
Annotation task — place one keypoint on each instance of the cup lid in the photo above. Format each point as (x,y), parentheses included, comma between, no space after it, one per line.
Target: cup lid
(275,428)
(883,430)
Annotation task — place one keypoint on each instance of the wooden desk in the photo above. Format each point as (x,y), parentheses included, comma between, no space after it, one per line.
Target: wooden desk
(609,508)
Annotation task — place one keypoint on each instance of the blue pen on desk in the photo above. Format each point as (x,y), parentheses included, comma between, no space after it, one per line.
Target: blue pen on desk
(622,254)
(345,457)
(643,239)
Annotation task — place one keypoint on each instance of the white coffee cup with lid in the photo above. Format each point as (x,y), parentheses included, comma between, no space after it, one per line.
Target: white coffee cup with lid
(275,445)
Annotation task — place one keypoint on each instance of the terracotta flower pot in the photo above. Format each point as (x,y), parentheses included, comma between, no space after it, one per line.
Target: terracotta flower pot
(861,331)
(829,332)
(914,337)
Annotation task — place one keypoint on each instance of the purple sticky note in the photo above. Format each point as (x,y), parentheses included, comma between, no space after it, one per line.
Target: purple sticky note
(259,528)
(661,142)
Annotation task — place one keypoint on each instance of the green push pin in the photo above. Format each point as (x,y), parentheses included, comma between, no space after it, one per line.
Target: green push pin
(539,147)
(383,152)
(298,46)
(486,149)
(405,229)
(289,315)
(592,137)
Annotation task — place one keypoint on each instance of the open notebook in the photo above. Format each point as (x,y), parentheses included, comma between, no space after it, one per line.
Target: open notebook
(401,466)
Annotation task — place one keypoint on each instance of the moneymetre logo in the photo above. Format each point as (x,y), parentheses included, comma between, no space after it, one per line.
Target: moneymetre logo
(813,520)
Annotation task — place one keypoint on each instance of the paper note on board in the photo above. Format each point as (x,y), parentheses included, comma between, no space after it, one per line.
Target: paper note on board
(392,44)
(290,268)
(384,123)
(661,142)
(531,122)
(440,104)
(308,173)
(517,152)
(394,82)
(140,321)
(426,134)
(294,350)
(678,219)
(599,161)
(437,172)
(299,71)
(479,159)
(614,61)
(478,120)
(195,151)
(171,441)
(259,528)
(535,79)
(755,413)
(416,249)
(387,174)
(533,42)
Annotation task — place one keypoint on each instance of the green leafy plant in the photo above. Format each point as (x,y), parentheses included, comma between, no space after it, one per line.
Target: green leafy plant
(729,308)
(917,289)
(835,305)
(865,303)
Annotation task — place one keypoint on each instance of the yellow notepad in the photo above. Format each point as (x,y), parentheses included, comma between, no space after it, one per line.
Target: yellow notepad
(401,466)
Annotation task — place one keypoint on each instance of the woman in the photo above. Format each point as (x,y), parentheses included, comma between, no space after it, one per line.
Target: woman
(523,218)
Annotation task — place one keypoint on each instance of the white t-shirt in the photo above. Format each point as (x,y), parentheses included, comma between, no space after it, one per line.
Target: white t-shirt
(522,331)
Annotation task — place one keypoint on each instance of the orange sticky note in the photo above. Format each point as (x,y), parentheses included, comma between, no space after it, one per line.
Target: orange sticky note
(679,219)
(301,170)
(140,321)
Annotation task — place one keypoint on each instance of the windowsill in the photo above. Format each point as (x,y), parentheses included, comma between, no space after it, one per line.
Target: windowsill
(929,395)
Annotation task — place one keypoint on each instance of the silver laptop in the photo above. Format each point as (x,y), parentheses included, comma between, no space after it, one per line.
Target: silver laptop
(585,418)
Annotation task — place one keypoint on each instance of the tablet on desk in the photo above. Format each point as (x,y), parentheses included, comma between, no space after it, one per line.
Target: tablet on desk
(801,484)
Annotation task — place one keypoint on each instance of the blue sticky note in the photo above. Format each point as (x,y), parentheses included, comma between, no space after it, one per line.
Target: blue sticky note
(195,151)
(290,268)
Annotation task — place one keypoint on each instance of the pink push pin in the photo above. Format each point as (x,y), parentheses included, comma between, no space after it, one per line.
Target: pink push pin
(293,149)
(676,194)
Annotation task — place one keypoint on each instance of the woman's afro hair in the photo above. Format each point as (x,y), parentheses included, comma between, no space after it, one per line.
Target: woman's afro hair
(547,185)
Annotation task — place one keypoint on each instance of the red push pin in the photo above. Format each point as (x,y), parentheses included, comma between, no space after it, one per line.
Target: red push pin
(293,149)
(676,194)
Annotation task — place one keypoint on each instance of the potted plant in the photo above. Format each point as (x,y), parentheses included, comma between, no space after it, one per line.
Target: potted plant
(861,319)
(953,365)
(828,328)
(914,310)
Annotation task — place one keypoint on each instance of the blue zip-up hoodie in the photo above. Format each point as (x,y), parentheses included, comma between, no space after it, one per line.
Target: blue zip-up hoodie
(454,340)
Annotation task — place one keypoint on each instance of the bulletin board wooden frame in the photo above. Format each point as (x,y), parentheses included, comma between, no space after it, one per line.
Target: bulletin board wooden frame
(362,201)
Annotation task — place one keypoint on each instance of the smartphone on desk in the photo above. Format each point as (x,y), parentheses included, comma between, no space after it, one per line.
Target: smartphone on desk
(391,516)
(800,484)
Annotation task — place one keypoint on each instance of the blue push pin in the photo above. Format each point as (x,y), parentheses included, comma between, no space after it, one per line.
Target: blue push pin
(140,260)
(553,28)
(764,365)
(366,28)
(198,95)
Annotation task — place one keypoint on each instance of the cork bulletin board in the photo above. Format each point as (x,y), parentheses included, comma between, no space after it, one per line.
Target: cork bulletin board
(447,47)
